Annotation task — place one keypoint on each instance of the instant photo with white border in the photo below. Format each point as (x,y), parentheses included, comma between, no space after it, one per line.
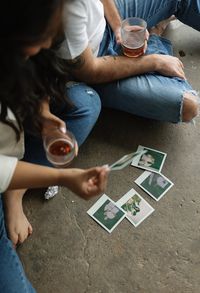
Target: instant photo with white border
(106,210)
(156,182)
(135,204)
(147,161)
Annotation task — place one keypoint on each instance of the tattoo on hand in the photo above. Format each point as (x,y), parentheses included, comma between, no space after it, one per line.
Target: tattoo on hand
(76,63)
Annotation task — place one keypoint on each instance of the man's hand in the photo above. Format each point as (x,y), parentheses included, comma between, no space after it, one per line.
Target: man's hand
(169,66)
(118,37)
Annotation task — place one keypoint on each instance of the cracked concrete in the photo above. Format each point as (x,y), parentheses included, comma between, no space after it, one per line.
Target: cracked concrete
(70,253)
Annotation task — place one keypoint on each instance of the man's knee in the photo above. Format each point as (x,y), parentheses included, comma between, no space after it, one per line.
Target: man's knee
(85,99)
(93,102)
(190,107)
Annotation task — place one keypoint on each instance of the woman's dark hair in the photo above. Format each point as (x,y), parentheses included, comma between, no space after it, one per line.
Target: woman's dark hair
(25,83)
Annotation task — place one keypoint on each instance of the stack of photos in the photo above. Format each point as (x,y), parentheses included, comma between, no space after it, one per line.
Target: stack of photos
(131,205)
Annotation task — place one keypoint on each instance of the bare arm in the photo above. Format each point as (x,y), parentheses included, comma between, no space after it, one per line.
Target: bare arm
(28,175)
(92,69)
(85,183)
(111,14)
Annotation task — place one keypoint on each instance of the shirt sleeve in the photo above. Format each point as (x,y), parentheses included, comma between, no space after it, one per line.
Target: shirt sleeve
(75,27)
(7,168)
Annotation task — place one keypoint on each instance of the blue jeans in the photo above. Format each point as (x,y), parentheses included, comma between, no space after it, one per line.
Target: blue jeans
(149,95)
(79,120)
(12,276)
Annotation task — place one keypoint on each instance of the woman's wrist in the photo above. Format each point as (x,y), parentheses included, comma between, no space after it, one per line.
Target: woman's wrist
(63,176)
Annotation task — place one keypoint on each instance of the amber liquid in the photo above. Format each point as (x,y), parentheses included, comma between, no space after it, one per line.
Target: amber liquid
(60,148)
(130,52)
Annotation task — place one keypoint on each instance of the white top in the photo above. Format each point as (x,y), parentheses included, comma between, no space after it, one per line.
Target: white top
(10,151)
(84,25)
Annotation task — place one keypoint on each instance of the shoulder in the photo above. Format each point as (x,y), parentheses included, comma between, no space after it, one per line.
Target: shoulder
(81,8)
(74,7)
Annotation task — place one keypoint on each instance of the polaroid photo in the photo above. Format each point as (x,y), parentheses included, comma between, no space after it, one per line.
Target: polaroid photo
(136,207)
(125,160)
(152,160)
(106,213)
(156,185)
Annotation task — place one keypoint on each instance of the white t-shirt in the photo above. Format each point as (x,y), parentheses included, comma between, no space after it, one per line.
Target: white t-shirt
(84,25)
(10,151)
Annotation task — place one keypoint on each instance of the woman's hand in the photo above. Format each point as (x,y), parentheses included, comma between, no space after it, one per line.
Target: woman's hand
(51,122)
(86,183)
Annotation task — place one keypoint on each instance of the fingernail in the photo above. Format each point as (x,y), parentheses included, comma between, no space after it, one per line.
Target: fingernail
(106,166)
(63,129)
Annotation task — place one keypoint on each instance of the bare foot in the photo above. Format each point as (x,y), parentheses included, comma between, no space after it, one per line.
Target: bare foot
(17,224)
(161,26)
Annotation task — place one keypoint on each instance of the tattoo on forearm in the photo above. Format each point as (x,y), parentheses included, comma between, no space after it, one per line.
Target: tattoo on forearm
(76,63)
(106,57)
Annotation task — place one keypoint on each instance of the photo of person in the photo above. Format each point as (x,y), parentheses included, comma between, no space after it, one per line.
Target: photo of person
(156,185)
(106,213)
(136,207)
(146,160)
(152,160)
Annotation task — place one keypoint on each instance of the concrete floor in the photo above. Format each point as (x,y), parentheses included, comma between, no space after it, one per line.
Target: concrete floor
(70,253)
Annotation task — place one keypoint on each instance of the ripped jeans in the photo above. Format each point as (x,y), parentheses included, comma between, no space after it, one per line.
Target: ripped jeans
(149,95)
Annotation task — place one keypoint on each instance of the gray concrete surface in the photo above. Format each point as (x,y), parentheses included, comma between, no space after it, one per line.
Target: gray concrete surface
(70,253)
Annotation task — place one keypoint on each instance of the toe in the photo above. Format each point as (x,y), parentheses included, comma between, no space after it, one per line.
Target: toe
(30,229)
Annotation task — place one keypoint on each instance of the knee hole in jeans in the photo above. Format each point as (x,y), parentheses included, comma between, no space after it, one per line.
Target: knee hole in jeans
(190,107)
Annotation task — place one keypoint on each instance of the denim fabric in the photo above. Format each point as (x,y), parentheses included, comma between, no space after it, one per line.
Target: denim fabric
(149,95)
(187,11)
(12,276)
(79,120)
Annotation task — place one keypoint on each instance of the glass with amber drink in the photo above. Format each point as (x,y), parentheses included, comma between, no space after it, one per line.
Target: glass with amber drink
(133,33)
(60,147)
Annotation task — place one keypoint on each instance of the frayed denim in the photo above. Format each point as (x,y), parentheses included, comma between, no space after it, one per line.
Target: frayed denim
(149,95)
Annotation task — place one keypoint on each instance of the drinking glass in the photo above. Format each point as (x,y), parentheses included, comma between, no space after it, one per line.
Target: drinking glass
(60,147)
(133,32)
